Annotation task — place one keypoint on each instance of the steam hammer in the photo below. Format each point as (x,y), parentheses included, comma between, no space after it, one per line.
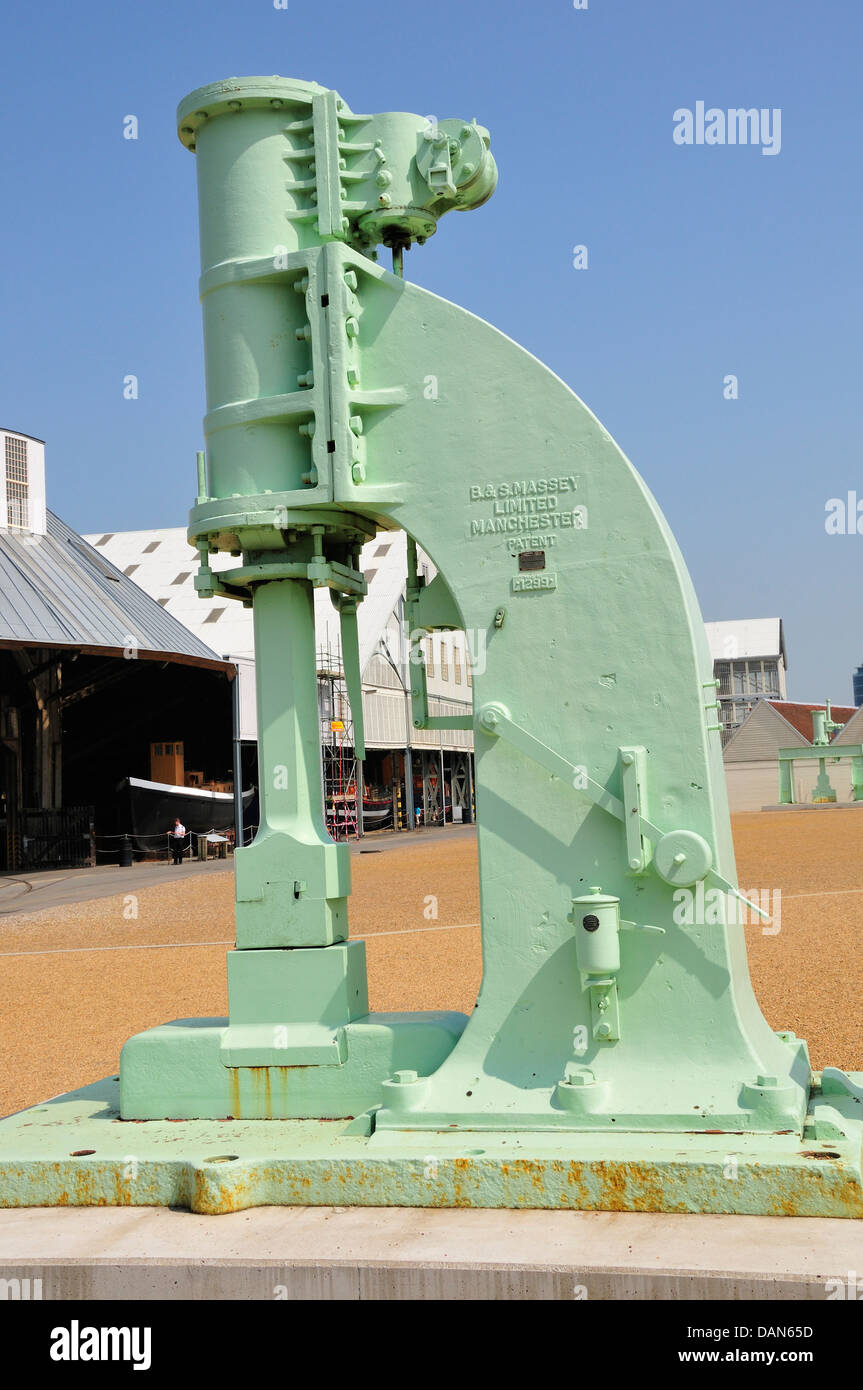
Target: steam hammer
(617,1057)
(597,1012)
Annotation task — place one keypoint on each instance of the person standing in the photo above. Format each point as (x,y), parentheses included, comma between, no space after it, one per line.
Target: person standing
(177,837)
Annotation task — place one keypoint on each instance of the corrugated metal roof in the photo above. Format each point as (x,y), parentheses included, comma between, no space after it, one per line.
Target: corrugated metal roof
(57,590)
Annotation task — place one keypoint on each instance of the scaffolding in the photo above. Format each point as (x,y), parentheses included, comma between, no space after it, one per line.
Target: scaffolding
(338,757)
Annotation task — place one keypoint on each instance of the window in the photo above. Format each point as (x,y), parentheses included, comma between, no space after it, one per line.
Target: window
(456,663)
(130,569)
(368,575)
(103,540)
(17,489)
(382,550)
(181,577)
(163,602)
(214,615)
(148,549)
(430,657)
(444,661)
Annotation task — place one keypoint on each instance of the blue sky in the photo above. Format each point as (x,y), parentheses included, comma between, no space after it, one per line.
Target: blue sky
(704,261)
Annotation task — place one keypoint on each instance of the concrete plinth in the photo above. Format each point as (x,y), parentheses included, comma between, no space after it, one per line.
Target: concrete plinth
(388,1253)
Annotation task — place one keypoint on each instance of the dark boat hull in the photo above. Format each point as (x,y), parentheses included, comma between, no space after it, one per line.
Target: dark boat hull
(149,809)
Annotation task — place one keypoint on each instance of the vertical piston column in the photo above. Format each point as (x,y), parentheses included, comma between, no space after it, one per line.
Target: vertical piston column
(293,881)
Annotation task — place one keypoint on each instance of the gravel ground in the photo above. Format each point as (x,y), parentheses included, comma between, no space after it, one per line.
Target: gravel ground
(64,1016)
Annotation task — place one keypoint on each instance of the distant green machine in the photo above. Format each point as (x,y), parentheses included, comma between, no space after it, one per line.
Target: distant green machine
(823,727)
(615,1059)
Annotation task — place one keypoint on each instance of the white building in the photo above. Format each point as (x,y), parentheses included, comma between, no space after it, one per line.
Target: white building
(750,664)
(22,495)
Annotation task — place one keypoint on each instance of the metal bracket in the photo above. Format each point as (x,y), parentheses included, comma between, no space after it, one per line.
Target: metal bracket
(434,163)
(633,781)
(604,1010)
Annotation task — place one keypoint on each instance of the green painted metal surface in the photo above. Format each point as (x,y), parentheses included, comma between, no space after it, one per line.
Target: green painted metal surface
(76,1151)
(616,1058)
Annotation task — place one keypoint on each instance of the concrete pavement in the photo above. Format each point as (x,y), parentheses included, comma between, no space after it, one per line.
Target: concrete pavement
(47,888)
(274,1253)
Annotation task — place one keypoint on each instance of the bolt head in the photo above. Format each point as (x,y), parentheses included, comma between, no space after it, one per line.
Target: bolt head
(581,1078)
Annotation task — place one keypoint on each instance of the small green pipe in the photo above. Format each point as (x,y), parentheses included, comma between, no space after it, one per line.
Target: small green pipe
(202,478)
